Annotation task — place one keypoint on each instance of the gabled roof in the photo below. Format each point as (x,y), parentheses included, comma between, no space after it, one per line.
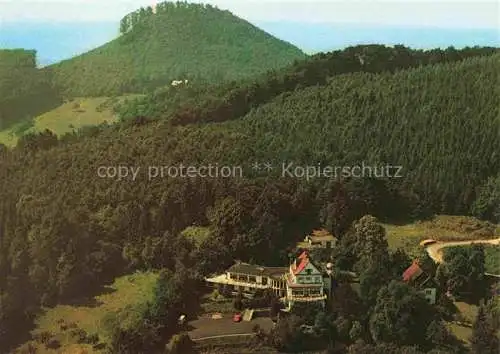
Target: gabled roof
(413,272)
(304,260)
(303,255)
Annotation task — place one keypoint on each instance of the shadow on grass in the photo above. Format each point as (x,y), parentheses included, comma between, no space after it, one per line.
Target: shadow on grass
(89,300)
(19,329)
(18,333)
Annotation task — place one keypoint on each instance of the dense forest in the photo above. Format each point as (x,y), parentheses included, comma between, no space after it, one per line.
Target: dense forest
(22,82)
(180,41)
(208,102)
(383,106)
(64,230)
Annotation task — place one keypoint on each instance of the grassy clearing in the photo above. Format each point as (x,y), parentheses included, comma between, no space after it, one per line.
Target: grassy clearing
(8,138)
(441,228)
(214,302)
(75,114)
(63,321)
(461,332)
(70,116)
(196,233)
(466,313)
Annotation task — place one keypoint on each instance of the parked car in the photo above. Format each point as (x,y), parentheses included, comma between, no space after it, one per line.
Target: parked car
(237,317)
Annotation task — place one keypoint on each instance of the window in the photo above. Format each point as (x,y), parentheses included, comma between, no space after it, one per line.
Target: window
(328,244)
(264,281)
(307,279)
(252,279)
(298,293)
(308,271)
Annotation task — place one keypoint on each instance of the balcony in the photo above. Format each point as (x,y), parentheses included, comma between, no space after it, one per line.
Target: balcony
(307,297)
(223,279)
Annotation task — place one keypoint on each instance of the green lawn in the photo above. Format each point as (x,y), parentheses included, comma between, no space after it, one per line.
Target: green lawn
(70,116)
(75,114)
(466,313)
(196,233)
(212,304)
(461,332)
(8,138)
(129,292)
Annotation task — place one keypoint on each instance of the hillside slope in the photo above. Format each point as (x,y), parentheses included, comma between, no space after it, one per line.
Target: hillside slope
(69,117)
(202,103)
(179,41)
(25,91)
(439,123)
(66,228)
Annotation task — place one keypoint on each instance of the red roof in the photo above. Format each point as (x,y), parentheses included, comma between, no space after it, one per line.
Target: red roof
(304,260)
(303,255)
(412,272)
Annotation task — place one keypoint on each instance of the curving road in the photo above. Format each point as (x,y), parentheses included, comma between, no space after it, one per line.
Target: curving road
(435,251)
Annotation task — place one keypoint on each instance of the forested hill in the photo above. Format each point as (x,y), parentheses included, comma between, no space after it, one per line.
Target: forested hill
(176,41)
(64,229)
(24,90)
(202,102)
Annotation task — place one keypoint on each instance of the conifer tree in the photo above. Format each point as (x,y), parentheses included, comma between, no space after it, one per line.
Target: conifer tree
(484,339)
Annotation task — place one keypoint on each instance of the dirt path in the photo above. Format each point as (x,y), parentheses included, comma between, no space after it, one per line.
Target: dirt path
(435,250)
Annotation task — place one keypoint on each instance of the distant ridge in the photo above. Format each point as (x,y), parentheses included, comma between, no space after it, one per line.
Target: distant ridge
(180,41)
(24,90)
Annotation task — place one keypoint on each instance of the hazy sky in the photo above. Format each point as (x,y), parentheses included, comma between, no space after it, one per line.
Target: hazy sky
(428,13)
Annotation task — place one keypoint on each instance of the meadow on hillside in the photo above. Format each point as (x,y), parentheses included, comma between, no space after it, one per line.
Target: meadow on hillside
(440,228)
(83,326)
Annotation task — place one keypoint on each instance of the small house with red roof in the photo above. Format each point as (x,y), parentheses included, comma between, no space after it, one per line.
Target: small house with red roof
(414,275)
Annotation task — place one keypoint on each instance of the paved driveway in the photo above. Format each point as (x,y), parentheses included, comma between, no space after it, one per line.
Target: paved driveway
(208,327)
(435,250)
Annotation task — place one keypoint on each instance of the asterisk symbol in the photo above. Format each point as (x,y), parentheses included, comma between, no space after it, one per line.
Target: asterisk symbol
(256,166)
(268,166)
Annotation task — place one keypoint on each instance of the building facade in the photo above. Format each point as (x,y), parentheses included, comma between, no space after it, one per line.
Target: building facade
(416,277)
(305,282)
(318,239)
(302,281)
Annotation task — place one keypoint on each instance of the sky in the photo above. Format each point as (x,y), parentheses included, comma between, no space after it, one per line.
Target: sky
(52,26)
(442,13)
